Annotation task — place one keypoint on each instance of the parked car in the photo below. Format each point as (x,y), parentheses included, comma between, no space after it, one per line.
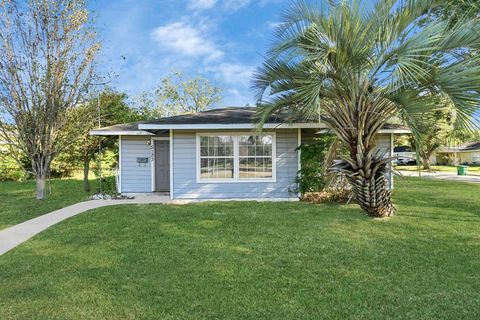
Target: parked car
(401,161)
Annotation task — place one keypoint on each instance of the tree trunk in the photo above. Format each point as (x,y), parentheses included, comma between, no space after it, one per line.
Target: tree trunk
(373,194)
(426,159)
(86,170)
(41,180)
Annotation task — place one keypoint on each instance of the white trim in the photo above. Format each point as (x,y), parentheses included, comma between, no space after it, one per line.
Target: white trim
(299,152)
(152,162)
(236,158)
(392,147)
(120,133)
(119,164)
(170,135)
(194,200)
(399,131)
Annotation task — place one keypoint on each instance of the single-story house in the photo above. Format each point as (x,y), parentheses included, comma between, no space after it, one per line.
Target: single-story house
(217,154)
(468,153)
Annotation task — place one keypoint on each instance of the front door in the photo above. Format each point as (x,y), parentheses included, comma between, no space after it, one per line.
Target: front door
(162,165)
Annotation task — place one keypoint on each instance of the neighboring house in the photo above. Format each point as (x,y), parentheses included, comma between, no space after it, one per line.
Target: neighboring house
(217,154)
(468,153)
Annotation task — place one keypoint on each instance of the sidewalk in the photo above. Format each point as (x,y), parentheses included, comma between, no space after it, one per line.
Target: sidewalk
(452,176)
(17,234)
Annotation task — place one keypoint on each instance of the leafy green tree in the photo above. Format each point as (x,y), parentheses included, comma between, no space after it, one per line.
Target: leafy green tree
(359,63)
(434,127)
(177,94)
(109,108)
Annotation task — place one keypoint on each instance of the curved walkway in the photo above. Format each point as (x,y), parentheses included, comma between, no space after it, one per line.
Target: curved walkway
(17,234)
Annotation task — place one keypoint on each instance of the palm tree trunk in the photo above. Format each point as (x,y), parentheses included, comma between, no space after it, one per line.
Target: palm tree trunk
(373,194)
(366,168)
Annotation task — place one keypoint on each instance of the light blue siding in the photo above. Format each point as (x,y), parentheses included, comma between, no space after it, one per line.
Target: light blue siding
(135,177)
(185,184)
(384,144)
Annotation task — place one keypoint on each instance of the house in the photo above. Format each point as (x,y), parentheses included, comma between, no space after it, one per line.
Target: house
(217,154)
(467,153)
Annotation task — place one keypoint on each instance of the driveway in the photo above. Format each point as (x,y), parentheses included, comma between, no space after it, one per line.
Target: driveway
(452,176)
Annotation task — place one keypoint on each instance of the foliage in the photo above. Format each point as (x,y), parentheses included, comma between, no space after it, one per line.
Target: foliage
(356,66)
(435,127)
(111,109)
(312,177)
(47,67)
(251,260)
(177,94)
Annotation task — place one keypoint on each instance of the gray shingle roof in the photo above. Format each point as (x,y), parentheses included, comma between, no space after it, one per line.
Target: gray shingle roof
(229,115)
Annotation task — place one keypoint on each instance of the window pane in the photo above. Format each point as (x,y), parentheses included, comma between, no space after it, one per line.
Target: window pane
(216,146)
(216,157)
(265,169)
(216,168)
(255,157)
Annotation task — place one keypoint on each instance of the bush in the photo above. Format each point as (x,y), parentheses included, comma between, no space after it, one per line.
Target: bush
(312,176)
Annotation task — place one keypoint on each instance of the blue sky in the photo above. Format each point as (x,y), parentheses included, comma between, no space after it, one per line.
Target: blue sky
(223,40)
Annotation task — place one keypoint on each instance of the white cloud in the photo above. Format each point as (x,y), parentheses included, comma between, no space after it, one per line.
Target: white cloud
(236,4)
(201,4)
(236,98)
(273,25)
(186,40)
(233,73)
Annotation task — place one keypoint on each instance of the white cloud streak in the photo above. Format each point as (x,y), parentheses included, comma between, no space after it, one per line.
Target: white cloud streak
(201,4)
(186,40)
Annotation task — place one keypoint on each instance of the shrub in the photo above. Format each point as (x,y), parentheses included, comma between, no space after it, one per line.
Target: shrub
(312,177)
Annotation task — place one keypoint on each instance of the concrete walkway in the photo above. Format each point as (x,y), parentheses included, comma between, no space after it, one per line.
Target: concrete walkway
(17,234)
(452,176)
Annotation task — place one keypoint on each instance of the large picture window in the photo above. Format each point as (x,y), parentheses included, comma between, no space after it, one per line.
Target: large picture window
(235,157)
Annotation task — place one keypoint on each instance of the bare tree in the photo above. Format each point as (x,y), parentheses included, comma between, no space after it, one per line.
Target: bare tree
(48,50)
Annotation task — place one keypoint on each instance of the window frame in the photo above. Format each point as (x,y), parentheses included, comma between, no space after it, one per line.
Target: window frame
(236,158)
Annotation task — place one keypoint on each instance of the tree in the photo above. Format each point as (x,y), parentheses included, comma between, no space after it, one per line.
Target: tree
(434,127)
(176,95)
(112,109)
(357,64)
(47,58)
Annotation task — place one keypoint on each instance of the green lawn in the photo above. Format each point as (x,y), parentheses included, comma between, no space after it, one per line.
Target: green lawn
(247,260)
(472,170)
(18,203)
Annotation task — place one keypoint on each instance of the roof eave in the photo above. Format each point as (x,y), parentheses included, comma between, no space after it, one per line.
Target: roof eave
(120,133)
(205,126)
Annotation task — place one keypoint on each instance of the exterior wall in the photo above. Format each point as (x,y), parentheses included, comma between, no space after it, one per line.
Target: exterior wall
(384,144)
(135,177)
(185,184)
(471,157)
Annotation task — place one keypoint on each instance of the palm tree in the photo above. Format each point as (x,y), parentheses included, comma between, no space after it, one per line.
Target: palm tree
(357,64)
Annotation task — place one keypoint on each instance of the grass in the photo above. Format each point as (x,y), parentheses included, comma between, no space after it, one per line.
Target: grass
(247,260)
(18,203)
(473,170)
